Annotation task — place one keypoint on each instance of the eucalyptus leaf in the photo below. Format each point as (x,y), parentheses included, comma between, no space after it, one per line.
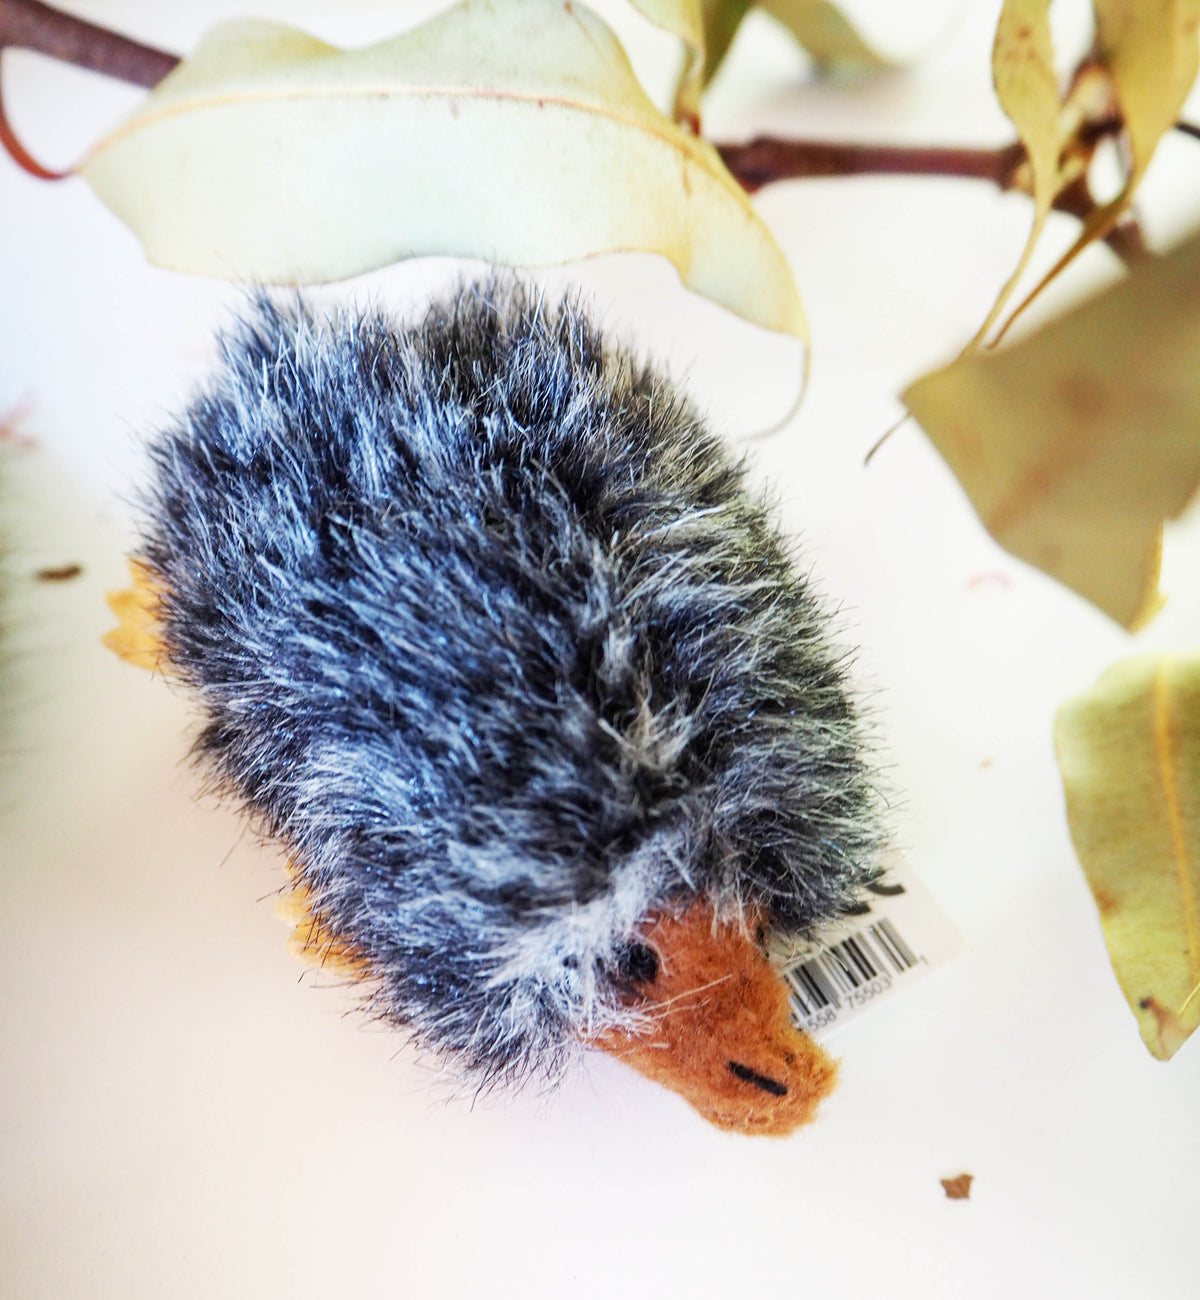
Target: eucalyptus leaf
(1129,754)
(514,132)
(683,18)
(1076,443)
(1151,52)
(722,18)
(1027,87)
(826,33)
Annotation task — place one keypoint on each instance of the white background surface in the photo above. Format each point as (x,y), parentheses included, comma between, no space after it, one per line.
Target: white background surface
(182,1115)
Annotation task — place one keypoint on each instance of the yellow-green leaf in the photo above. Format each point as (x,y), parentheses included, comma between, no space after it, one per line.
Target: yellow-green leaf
(825,32)
(683,18)
(680,17)
(721,18)
(1075,444)
(1129,754)
(1151,52)
(510,130)
(1027,87)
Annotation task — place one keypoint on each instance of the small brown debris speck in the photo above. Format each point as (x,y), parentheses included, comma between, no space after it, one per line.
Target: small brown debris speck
(958,1189)
(60,573)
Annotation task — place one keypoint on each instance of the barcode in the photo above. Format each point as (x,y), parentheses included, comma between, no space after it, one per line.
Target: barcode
(845,973)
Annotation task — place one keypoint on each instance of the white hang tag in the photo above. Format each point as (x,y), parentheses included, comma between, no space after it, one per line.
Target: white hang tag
(863,960)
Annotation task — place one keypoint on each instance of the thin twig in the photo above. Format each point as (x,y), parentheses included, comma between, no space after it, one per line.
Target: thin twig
(1186,128)
(31,25)
(764,160)
(27,24)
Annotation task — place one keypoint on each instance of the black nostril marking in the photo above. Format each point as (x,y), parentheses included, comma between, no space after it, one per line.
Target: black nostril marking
(639,963)
(747,1075)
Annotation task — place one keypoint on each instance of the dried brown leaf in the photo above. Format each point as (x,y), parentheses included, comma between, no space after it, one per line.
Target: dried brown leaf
(1077,443)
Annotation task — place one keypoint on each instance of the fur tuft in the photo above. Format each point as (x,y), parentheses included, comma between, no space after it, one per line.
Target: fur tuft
(488,633)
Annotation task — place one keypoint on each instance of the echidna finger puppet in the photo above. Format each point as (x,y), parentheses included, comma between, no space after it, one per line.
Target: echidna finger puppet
(489,635)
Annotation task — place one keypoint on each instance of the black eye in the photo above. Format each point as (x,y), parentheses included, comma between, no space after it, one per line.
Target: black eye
(638,964)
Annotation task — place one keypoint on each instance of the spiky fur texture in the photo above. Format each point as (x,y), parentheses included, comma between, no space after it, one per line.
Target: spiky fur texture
(488,632)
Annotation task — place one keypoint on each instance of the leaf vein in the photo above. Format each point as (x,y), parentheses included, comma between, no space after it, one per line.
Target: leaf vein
(1166,764)
(689,147)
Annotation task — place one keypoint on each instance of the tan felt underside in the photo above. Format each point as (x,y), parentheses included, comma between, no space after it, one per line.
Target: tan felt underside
(137,638)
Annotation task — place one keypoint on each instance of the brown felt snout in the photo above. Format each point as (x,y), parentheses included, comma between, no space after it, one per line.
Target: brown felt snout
(719,1031)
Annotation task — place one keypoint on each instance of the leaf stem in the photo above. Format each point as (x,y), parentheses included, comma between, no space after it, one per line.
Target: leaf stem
(1125,239)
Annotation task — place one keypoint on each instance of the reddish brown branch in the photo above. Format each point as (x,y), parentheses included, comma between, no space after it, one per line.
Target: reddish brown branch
(29,25)
(764,160)
(1186,128)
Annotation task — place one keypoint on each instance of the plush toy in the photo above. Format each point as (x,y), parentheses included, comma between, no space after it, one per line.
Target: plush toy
(489,635)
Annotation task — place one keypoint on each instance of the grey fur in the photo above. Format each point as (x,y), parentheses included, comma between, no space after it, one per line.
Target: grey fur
(489,634)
